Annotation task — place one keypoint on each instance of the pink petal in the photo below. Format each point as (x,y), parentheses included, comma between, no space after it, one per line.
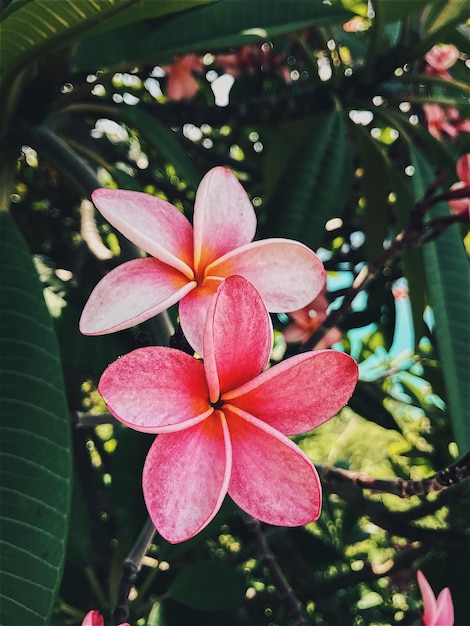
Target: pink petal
(132,293)
(272,479)
(463,168)
(445,608)
(429,600)
(238,336)
(185,478)
(151,223)
(299,393)
(193,312)
(93,618)
(224,217)
(157,390)
(286,273)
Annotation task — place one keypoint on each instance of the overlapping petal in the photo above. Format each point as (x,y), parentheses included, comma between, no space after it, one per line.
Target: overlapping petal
(287,274)
(185,478)
(132,293)
(299,393)
(272,479)
(151,223)
(224,218)
(193,312)
(156,390)
(238,336)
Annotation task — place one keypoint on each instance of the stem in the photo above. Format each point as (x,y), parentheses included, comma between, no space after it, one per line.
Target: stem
(286,593)
(131,568)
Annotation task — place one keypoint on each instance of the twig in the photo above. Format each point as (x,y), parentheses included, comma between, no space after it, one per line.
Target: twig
(284,590)
(444,478)
(130,571)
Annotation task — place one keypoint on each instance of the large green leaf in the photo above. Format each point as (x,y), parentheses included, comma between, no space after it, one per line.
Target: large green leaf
(31,29)
(34,441)
(34,27)
(315,183)
(448,280)
(375,184)
(219,25)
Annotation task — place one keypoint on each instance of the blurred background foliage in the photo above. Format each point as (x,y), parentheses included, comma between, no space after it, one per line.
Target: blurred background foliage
(322,110)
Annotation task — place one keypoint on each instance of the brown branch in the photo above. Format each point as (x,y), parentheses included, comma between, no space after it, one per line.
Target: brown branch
(444,478)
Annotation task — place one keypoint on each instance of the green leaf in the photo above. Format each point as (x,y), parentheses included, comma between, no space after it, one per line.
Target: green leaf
(315,184)
(220,25)
(34,441)
(448,281)
(375,185)
(31,29)
(209,585)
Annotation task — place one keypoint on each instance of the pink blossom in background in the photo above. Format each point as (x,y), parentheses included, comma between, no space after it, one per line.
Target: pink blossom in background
(94,618)
(188,264)
(305,321)
(440,58)
(437,612)
(461,206)
(181,83)
(440,120)
(252,59)
(223,424)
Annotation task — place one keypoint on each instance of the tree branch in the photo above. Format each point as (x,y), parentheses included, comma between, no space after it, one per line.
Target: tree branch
(286,593)
(444,478)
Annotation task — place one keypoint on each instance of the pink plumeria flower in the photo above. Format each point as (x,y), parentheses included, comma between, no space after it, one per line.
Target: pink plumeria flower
(447,120)
(188,264)
(94,618)
(305,322)
(440,58)
(223,424)
(181,83)
(437,612)
(461,206)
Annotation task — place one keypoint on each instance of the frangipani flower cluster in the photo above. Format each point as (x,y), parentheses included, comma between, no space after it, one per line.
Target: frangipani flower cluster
(440,58)
(223,424)
(188,263)
(461,206)
(437,611)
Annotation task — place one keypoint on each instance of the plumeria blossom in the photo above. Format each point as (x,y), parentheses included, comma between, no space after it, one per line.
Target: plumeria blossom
(447,120)
(188,263)
(305,322)
(94,618)
(223,424)
(437,612)
(440,58)
(181,83)
(461,206)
